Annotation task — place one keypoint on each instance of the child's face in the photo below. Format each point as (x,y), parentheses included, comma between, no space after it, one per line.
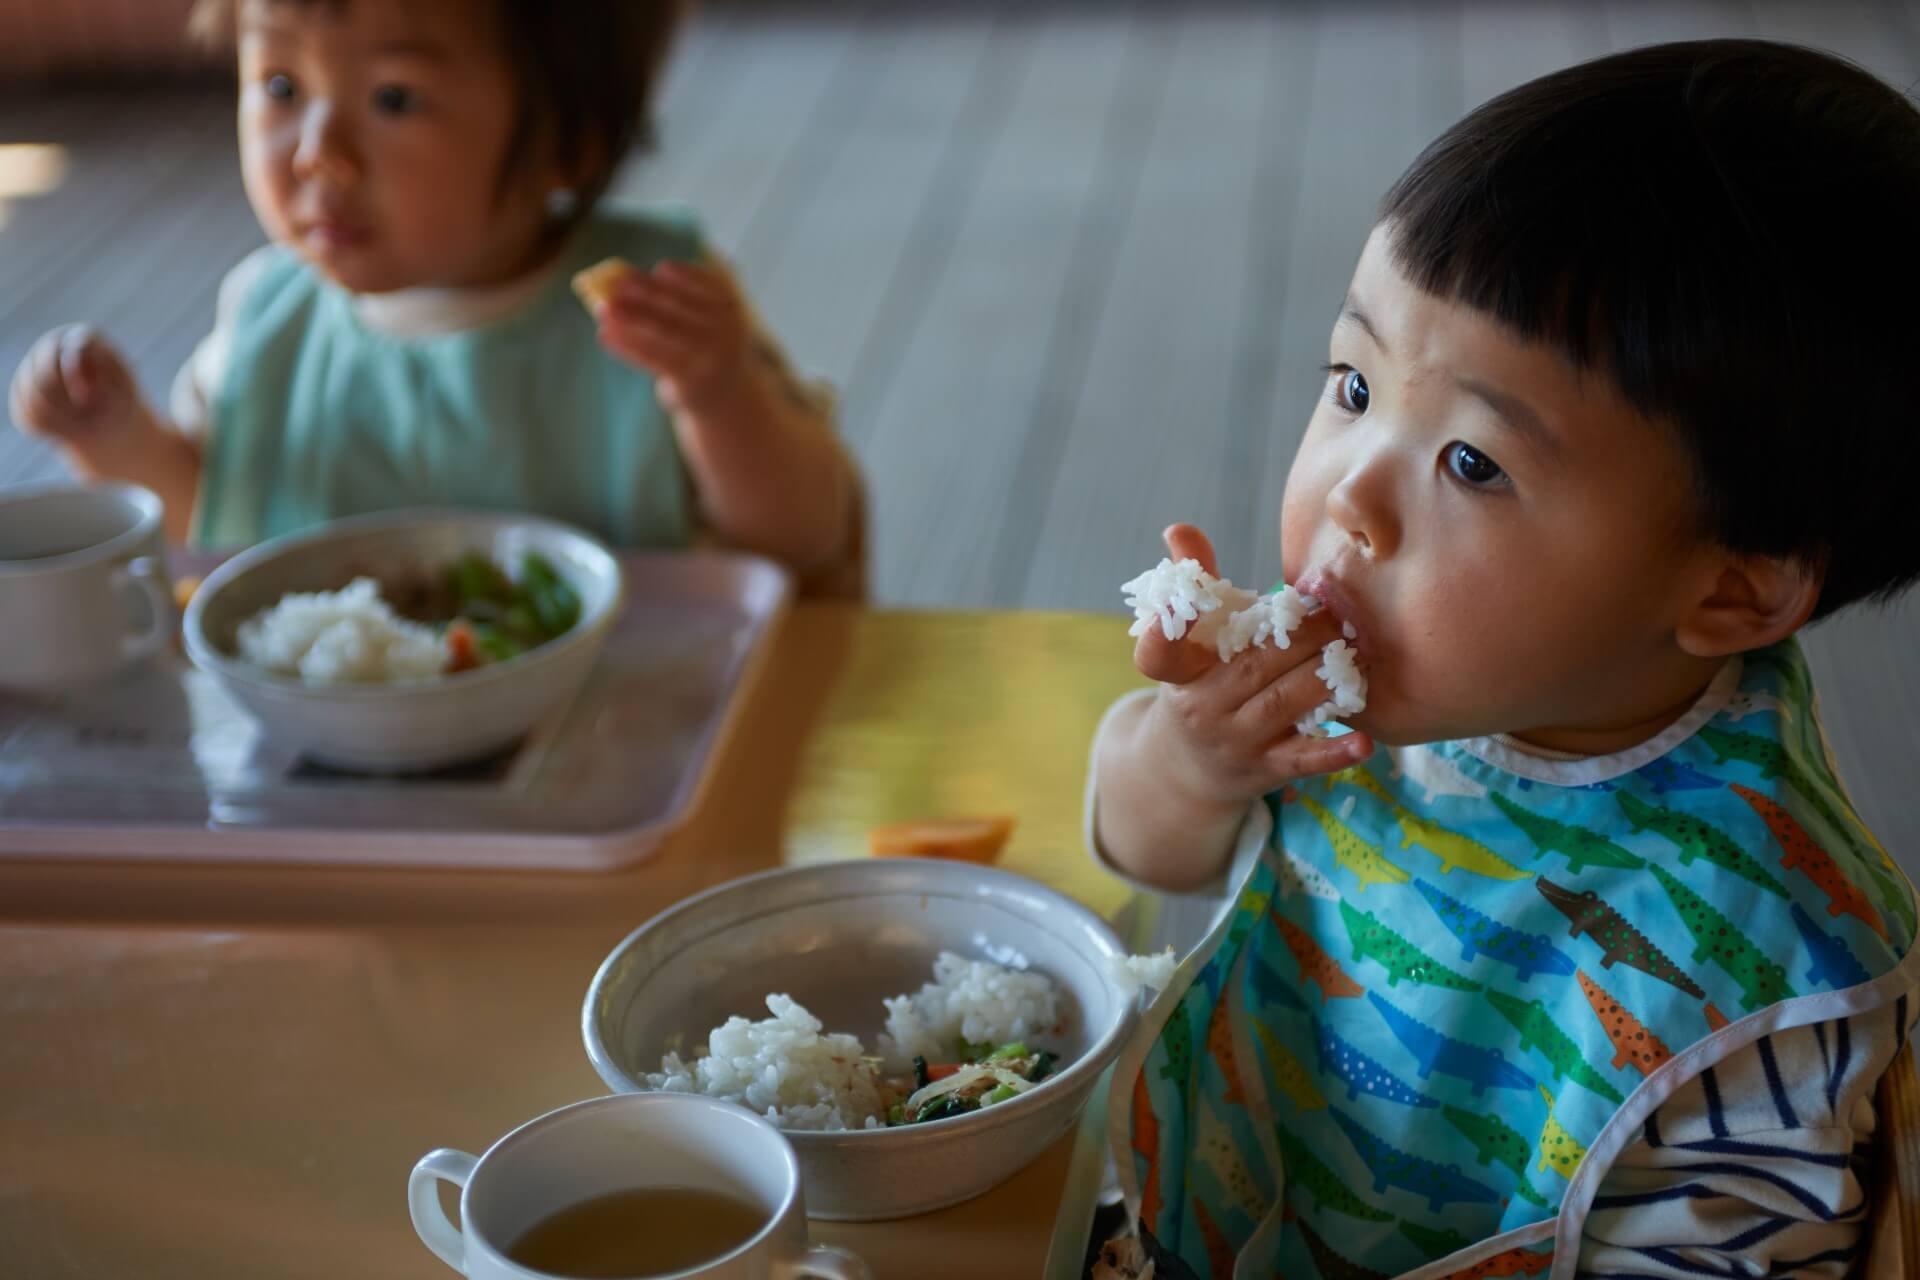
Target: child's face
(373,138)
(1512,541)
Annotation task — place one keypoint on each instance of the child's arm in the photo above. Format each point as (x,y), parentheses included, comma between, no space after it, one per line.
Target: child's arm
(770,473)
(1176,772)
(76,391)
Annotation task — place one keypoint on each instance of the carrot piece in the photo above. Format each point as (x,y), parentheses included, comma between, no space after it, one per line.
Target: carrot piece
(962,839)
(462,653)
(941,1070)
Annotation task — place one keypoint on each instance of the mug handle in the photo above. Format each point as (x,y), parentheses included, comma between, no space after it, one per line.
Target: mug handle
(430,1221)
(148,576)
(824,1262)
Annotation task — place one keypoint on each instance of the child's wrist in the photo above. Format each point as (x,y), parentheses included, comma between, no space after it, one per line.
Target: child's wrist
(727,396)
(1185,778)
(116,450)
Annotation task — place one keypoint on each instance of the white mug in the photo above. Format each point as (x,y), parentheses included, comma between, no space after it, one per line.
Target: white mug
(619,1143)
(83,584)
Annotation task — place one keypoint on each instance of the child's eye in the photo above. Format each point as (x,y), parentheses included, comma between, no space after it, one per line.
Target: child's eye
(1349,388)
(280,88)
(1474,467)
(394,99)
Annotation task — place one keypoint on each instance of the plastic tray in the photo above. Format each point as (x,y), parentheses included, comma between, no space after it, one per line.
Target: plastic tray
(161,766)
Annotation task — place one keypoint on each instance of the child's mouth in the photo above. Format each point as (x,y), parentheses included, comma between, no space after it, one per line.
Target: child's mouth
(334,235)
(1335,599)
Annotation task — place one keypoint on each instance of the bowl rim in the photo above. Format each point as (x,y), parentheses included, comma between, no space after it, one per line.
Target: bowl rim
(206,655)
(1083,1070)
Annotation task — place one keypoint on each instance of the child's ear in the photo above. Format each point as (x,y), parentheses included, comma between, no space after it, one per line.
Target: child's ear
(1752,602)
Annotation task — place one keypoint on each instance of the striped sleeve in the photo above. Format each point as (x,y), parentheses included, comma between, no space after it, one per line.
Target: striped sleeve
(1758,1166)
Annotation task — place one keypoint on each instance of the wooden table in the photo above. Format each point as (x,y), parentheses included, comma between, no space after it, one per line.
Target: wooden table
(229,1071)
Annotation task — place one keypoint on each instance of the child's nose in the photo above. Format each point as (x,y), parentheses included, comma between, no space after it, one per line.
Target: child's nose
(1361,506)
(325,149)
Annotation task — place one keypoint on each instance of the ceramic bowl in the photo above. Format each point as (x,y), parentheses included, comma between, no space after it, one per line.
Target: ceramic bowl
(839,938)
(416,725)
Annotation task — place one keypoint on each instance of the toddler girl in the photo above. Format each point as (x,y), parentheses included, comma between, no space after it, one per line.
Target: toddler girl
(429,175)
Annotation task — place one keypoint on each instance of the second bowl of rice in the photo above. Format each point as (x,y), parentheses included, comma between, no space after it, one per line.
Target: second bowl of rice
(379,703)
(844,941)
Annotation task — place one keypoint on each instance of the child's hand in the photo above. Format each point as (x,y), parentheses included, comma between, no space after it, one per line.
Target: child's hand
(686,324)
(1226,729)
(75,390)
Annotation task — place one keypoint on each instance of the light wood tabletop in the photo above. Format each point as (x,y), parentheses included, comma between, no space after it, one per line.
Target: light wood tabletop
(229,1070)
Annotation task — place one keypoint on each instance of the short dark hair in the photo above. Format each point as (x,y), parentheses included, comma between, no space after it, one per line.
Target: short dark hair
(586,69)
(1729,230)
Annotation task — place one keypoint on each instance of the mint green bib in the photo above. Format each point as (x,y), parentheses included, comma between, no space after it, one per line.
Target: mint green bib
(320,417)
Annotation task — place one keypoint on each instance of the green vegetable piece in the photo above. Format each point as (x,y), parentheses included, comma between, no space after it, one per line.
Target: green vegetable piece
(495,643)
(897,1113)
(971,1052)
(1012,1049)
(474,577)
(1000,1094)
(1043,1064)
(554,600)
(920,1079)
(942,1108)
(519,619)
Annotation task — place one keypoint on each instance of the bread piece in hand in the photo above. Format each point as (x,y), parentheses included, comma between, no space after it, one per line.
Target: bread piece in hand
(594,286)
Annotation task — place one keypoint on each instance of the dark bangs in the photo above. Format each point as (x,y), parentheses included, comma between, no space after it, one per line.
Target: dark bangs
(1729,231)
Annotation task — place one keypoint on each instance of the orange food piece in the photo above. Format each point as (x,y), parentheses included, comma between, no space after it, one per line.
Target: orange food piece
(595,285)
(962,839)
(462,653)
(183,588)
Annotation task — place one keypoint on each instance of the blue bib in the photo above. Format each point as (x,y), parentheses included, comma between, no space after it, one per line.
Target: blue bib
(1442,979)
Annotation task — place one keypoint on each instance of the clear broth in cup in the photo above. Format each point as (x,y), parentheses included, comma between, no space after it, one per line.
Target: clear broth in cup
(645,1231)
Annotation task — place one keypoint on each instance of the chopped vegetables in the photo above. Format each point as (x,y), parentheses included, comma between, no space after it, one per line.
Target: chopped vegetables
(994,1075)
(495,618)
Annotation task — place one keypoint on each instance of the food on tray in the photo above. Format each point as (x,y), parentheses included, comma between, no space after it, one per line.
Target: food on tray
(1188,602)
(470,615)
(961,839)
(594,286)
(968,1039)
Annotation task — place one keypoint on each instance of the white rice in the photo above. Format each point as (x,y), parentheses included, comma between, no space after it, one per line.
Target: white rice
(782,1068)
(1134,974)
(1270,617)
(350,636)
(1184,598)
(973,1000)
(789,1070)
(1177,595)
(1344,681)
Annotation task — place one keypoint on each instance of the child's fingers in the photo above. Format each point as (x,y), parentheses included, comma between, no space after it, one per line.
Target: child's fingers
(1186,542)
(75,353)
(1171,661)
(42,397)
(1251,671)
(1280,703)
(1298,756)
(648,345)
(643,298)
(696,279)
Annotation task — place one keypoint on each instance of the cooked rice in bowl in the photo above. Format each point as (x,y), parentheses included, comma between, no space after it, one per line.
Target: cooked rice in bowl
(349,636)
(791,1070)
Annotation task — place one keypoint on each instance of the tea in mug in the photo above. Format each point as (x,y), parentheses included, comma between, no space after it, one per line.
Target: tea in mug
(645,1231)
